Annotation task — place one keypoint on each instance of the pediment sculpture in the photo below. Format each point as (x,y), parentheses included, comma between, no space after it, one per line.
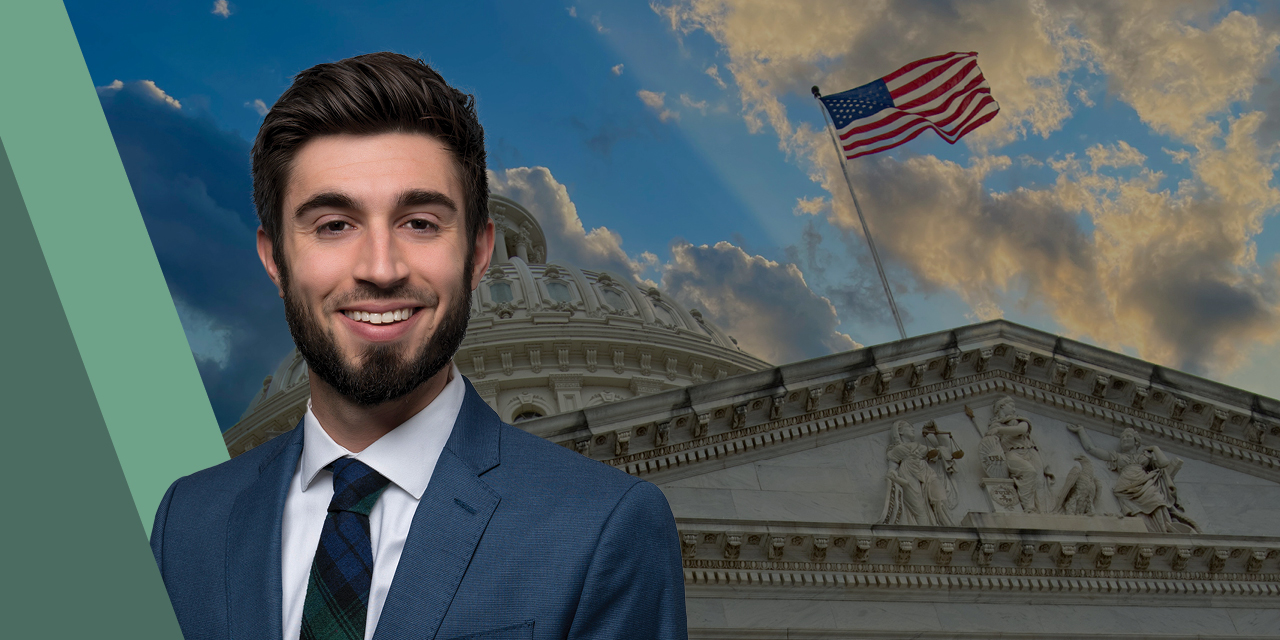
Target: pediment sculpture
(1008,451)
(1145,484)
(1079,493)
(916,493)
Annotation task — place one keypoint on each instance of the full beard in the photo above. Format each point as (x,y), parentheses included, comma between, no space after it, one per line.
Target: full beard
(386,371)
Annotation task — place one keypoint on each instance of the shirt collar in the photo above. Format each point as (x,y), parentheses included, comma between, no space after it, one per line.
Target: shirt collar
(398,455)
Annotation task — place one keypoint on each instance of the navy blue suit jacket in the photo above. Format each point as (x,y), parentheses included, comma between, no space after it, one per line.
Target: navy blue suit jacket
(514,538)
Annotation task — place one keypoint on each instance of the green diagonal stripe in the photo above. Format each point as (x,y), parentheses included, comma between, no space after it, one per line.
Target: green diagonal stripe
(100,258)
(76,558)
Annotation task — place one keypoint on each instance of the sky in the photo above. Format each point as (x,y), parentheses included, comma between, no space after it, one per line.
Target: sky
(1124,196)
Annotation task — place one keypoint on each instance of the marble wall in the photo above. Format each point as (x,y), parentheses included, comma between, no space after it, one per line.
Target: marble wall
(844,481)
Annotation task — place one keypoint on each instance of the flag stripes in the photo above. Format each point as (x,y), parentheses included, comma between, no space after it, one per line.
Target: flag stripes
(946,94)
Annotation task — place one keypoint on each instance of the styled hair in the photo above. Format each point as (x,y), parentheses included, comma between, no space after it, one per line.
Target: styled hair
(367,95)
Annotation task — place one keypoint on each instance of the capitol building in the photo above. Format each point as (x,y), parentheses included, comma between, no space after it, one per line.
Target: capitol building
(991,481)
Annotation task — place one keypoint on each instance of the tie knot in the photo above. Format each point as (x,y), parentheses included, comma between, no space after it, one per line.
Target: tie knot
(356,487)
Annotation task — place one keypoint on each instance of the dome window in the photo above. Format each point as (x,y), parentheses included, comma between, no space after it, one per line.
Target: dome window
(614,299)
(664,315)
(559,291)
(500,292)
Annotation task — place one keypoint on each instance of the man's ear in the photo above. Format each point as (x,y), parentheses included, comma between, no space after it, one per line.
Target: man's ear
(483,253)
(267,255)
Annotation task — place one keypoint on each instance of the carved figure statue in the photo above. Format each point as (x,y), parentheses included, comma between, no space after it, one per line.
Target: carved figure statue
(915,493)
(1079,492)
(1019,455)
(1145,486)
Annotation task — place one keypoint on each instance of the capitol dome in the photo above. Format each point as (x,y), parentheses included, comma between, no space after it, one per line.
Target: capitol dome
(545,337)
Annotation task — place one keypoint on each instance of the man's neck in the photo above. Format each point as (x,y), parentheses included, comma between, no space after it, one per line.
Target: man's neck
(355,427)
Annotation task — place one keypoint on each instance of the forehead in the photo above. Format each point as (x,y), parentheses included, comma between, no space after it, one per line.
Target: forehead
(374,169)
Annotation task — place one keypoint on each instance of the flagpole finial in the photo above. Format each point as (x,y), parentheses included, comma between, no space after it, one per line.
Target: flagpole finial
(816,93)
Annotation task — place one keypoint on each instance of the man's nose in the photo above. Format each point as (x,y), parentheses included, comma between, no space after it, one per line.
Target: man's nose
(381,261)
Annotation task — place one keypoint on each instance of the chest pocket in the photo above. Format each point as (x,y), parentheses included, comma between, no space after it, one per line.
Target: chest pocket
(522,631)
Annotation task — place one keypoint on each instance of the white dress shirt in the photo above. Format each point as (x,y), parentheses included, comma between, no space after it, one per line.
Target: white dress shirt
(406,456)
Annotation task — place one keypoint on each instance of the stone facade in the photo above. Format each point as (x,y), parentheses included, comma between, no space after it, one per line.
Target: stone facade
(779,481)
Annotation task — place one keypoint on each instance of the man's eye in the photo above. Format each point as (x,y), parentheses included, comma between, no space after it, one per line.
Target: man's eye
(336,226)
(418,224)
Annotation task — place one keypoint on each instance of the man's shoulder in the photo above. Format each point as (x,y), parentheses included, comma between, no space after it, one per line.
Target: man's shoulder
(530,464)
(523,449)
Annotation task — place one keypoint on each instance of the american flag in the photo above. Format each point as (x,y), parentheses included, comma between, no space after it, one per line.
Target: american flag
(946,93)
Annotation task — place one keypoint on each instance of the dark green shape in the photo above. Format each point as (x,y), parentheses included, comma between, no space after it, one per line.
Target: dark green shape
(77,561)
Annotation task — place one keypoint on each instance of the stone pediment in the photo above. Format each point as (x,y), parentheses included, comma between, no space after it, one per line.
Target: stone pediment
(793,525)
(830,421)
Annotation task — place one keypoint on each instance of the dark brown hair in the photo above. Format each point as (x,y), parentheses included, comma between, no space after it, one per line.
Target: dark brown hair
(367,95)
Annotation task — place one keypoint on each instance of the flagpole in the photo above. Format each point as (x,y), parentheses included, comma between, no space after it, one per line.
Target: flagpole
(875,255)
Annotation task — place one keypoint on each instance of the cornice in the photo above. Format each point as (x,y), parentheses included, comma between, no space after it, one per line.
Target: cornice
(855,393)
(855,558)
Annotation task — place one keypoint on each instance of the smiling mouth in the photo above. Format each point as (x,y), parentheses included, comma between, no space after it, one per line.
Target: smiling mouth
(389,317)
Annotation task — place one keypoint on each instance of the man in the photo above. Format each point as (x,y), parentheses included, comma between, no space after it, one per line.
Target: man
(401,506)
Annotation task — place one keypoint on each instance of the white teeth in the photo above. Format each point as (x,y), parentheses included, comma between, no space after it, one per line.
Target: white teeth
(380,318)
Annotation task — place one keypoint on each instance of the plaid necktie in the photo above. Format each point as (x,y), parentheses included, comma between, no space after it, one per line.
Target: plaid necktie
(338,589)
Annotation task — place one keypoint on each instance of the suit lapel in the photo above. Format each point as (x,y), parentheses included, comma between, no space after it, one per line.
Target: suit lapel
(253,547)
(447,526)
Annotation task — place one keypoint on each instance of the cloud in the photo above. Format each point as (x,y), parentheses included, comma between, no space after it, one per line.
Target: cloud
(573,11)
(1082,95)
(657,102)
(221,8)
(595,22)
(1179,156)
(715,75)
(616,69)
(1118,155)
(209,342)
(1109,250)
(765,305)
(1267,100)
(259,106)
(1174,73)
(145,88)
(776,49)
(567,238)
(810,206)
(191,182)
(700,105)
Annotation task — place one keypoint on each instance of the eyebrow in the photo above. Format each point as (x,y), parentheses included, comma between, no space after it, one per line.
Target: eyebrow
(410,198)
(331,199)
(424,197)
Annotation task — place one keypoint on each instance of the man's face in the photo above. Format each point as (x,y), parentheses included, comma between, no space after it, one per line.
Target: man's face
(379,274)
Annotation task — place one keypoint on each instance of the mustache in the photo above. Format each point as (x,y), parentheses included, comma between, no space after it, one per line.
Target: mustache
(370,293)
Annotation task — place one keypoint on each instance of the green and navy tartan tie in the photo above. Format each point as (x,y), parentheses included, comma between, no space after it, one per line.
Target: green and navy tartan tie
(338,589)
